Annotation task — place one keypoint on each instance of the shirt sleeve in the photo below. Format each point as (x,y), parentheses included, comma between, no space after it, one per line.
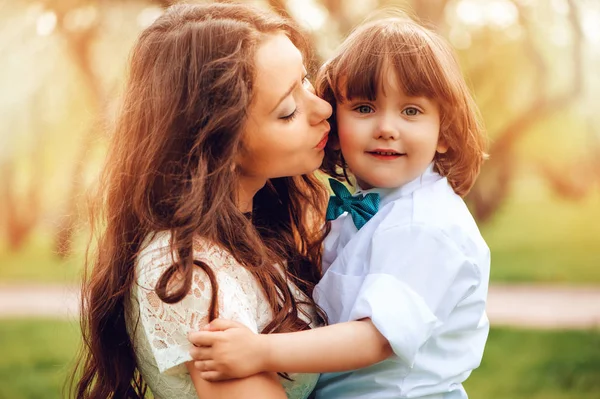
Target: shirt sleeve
(416,276)
(167,325)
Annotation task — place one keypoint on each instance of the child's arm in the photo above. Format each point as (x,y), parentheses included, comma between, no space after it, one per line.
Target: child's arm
(230,350)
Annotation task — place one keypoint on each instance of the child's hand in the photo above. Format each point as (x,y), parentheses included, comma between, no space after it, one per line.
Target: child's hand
(226,349)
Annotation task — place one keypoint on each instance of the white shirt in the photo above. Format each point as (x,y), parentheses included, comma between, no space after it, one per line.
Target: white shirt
(419,269)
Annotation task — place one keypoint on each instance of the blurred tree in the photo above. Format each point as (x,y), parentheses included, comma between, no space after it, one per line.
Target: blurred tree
(20,212)
(79,40)
(78,21)
(500,75)
(493,186)
(20,204)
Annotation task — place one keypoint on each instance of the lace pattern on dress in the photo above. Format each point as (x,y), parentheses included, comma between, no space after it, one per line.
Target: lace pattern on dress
(159,330)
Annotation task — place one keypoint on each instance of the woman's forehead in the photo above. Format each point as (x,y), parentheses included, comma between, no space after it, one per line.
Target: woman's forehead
(279,66)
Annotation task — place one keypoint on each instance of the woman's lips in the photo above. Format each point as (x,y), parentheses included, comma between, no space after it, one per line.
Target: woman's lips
(323,142)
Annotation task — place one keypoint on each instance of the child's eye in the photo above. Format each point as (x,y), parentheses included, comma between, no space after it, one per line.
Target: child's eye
(364,109)
(411,111)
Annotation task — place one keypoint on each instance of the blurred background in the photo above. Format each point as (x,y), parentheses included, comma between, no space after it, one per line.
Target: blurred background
(533,66)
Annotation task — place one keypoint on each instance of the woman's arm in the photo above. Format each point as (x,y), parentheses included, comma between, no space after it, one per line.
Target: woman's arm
(230,350)
(263,385)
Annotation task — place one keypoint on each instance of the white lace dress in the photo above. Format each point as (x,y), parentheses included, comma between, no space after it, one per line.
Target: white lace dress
(159,330)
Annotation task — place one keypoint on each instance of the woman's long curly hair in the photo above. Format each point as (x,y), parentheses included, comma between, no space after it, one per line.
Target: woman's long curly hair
(171,168)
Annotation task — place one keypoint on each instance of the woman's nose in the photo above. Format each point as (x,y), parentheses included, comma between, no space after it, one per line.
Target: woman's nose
(321,110)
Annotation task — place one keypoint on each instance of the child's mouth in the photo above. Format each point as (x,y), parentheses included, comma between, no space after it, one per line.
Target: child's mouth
(385,155)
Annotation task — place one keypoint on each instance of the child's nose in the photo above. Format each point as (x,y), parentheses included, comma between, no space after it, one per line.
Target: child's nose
(386,129)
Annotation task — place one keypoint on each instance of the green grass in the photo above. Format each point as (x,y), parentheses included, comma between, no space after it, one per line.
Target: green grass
(518,364)
(521,364)
(36,358)
(545,240)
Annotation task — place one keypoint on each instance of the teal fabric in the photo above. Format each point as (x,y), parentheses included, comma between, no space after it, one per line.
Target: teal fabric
(361,208)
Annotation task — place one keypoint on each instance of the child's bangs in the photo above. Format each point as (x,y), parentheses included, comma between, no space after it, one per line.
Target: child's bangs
(357,75)
(363,66)
(417,71)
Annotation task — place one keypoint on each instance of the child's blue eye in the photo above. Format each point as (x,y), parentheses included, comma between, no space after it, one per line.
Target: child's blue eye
(411,111)
(364,109)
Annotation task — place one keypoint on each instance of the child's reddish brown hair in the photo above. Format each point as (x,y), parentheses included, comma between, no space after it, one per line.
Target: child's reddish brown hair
(425,66)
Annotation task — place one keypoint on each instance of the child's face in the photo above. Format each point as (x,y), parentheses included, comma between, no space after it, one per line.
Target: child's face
(390,141)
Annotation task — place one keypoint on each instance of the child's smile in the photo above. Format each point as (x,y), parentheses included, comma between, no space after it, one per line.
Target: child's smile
(385,154)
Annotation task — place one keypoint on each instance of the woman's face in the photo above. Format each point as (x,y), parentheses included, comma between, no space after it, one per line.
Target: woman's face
(286,130)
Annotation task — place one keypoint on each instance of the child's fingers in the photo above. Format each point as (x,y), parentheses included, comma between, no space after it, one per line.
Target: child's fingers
(201,338)
(223,324)
(205,365)
(212,376)
(201,353)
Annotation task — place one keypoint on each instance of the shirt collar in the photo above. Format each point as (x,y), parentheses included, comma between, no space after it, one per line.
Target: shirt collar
(387,195)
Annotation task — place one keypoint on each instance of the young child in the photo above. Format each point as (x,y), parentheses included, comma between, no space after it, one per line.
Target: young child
(405,268)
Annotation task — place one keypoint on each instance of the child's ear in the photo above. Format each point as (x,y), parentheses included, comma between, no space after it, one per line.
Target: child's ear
(442,147)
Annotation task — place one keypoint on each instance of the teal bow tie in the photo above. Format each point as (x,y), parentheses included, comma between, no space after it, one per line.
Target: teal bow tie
(361,208)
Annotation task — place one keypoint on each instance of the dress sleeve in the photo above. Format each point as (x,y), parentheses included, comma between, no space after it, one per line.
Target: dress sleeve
(416,277)
(166,326)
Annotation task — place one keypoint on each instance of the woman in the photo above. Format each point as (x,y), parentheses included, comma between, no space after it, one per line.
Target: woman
(209,208)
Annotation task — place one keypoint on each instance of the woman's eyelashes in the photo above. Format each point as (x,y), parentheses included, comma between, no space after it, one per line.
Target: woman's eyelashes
(290,117)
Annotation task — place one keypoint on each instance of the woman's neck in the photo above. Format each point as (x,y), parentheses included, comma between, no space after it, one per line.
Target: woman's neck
(247,189)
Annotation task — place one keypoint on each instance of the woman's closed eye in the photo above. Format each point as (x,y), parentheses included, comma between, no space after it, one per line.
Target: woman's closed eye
(290,117)
(308,86)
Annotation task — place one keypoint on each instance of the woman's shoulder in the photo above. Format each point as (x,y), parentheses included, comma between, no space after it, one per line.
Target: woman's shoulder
(156,255)
(239,293)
